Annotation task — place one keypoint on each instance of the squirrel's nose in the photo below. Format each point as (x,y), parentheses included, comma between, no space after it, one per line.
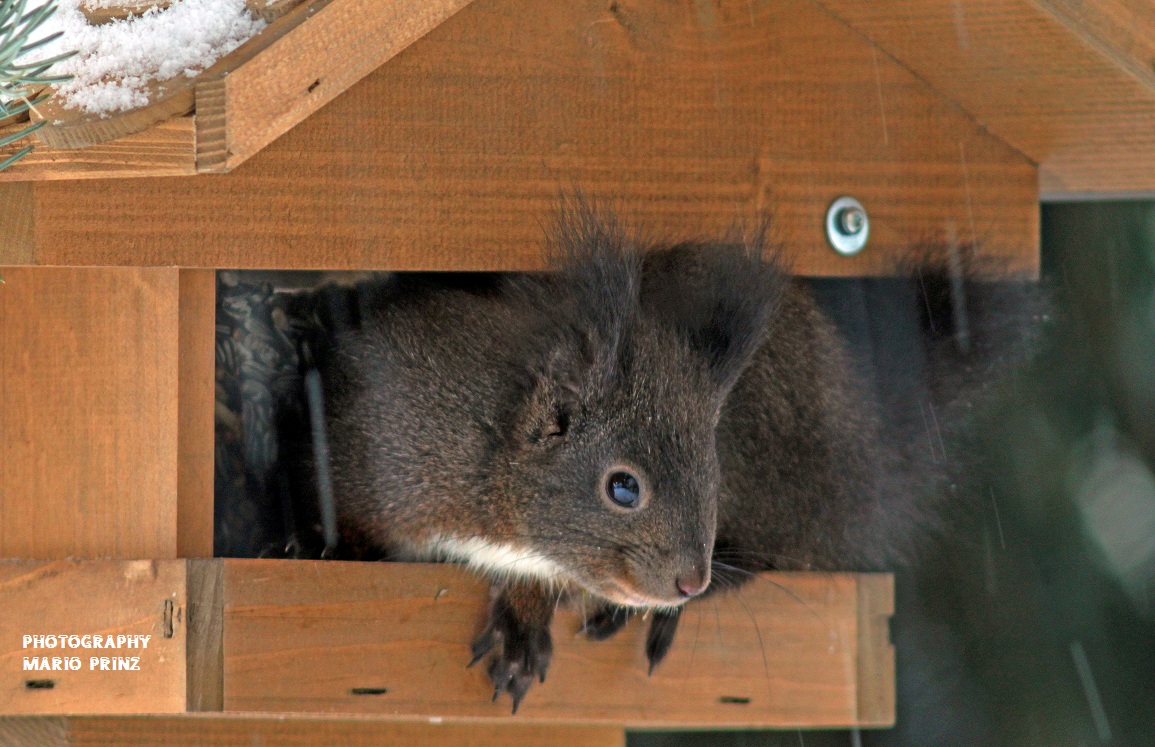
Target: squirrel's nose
(692,584)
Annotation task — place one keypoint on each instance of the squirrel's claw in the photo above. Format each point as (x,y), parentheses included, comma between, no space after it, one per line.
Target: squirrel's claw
(522,660)
(605,622)
(523,649)
(663,626)
(608,620)
(508,677)
(482,646)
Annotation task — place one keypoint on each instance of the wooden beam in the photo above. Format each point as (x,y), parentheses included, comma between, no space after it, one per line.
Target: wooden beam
(89,435)
(876,705)
(1070,84)
(231,731)
(310,636)
(166,149)
(30,730)
(1123,30)
(205,619)
(391,640)
(197,401)
(17,211)
(67,597)
(295,76)
(106,445)
(686,116)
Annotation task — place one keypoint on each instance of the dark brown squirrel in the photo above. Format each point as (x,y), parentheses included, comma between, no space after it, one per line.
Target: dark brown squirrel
(640,426)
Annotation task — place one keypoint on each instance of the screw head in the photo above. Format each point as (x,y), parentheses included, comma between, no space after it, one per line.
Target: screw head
(851,221)
(847,226)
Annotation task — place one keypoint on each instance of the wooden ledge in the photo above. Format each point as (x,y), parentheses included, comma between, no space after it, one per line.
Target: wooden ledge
(217,730)
(797,650)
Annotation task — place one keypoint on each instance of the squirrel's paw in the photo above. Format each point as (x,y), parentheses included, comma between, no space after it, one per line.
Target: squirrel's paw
(605,622)
(663,626)
(608,620)
(523,652)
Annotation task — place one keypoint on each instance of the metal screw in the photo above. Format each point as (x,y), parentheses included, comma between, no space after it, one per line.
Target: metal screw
(851,220)
(847,226)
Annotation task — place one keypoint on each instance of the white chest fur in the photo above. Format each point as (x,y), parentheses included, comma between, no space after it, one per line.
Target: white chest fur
(492,558)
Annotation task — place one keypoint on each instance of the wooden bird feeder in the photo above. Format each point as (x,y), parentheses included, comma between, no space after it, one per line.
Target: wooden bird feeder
(435,135)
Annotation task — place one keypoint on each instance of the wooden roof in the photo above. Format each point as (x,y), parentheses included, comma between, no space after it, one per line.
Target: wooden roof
(436,134)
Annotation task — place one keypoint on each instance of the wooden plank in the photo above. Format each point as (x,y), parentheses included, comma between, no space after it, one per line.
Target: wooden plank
(18,731)
(163,150)
(297,637)
(300,636)
(205,616)
(225,731)
(267,89)
(1123,30)
(88,437)
(77,599)
(196,402)
(75,128)
(876,696)
(269,10)
(69,129)
(17,238)
(342,43)
(1059,80)
(452,155)
(122,9)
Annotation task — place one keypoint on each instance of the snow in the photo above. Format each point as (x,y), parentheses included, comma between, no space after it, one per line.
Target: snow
(115,61)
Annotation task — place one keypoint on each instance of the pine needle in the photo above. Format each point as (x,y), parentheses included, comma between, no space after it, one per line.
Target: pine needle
(21,84)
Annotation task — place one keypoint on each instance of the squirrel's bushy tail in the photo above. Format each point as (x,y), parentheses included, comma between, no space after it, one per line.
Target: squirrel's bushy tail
(977,328)
(932,348)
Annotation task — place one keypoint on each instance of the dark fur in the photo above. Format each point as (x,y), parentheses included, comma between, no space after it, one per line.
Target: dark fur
(492,408)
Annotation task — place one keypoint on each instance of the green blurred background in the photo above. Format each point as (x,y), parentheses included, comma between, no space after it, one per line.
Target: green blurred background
(1032,622)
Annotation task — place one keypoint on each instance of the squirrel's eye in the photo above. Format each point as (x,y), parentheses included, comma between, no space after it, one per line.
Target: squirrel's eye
(623,489)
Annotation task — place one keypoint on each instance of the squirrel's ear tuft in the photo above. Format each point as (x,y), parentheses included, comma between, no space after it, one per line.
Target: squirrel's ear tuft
(719,297)
(589,306)
(598,273)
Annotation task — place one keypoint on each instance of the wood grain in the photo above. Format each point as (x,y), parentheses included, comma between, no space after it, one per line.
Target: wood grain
(88,598)
(1070,84)
(1124,30)
(166,149)
(205,620)
(74,128)
(300,636)
(224,731)
(212,144)
(342,43)
(88,437)
(452,155)
(196,394)
(876,696)
(17,238)
(22,731)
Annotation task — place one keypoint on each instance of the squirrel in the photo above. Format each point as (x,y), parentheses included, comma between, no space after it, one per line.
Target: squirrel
(642,425)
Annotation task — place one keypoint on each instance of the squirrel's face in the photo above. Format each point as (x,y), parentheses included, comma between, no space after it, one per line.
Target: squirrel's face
(616,480)
(612,470)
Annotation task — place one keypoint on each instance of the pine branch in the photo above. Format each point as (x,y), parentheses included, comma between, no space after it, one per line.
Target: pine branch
(22,82)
